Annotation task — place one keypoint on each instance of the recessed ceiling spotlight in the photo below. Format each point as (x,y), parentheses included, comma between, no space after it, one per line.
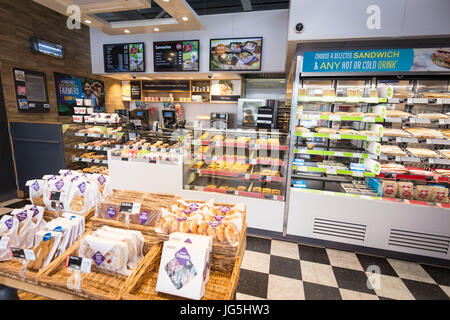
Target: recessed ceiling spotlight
(185,18)
(88,21)
(126,31)
(156,29)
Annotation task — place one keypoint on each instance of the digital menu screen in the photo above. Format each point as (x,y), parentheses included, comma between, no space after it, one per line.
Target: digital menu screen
(237,54)
(124,57)
(176,56)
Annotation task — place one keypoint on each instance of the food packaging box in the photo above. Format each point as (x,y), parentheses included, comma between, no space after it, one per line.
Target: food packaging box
(195,239)
(89,110)
(88,119)
(182,271)
(87,102)
(77,118)
(79,102)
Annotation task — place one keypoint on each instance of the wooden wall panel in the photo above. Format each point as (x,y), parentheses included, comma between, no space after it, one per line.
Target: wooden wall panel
(20,19)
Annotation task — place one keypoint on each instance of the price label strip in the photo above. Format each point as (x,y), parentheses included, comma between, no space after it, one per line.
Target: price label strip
(78,264)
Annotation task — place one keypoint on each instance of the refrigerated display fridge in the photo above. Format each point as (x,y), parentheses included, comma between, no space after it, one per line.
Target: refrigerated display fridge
(370,160)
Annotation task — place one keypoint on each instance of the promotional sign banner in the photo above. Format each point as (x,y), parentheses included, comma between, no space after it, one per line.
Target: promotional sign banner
(379,60)
(70,88)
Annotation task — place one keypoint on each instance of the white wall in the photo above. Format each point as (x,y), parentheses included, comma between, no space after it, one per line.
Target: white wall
(347,19)
(271,25)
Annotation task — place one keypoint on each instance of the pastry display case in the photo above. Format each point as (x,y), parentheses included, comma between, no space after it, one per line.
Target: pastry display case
(249,163)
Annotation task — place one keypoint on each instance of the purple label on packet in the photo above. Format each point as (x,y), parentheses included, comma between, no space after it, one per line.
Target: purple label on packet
(59,184)
(35,186)
(181,219)
(143,217)
(218,218)
(225,209)
(68,173)
(74,179)
(194,206)
(9,223)
(82,187)
(101,179)
(98,258)
(52,178)
(22,215)
(111,212)
(35,211)
(182,256)
(214,224)
(188,241)
(187,212)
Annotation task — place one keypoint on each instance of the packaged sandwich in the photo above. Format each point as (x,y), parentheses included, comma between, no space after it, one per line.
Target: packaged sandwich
(9,237)
(136,234)
(129,239)
(107,254)
(405,190)
(439,194)
(68,232)
(79,219)
(27,228)
(390,189)
(423,193)
(38,216)
(46,244)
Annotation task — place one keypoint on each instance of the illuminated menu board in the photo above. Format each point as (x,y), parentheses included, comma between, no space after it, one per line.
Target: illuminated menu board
(176,56)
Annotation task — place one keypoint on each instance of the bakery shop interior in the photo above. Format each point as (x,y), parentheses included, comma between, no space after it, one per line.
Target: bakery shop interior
(149,145)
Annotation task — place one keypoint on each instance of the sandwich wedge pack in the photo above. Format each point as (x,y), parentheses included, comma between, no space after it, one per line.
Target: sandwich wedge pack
(182,270)
(107,254)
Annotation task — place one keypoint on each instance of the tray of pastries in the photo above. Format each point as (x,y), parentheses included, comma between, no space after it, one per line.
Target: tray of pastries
(390,132)
(422,153)
(325,130)
(431,116)
(425,133)
(392,151)
(397,114)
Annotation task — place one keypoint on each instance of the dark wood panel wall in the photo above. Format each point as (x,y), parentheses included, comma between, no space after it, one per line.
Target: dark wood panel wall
(20,19)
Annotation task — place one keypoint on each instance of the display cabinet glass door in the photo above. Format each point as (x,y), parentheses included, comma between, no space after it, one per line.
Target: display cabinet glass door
(248,112)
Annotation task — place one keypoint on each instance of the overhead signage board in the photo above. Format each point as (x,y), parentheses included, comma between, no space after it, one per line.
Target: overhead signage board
(379,60)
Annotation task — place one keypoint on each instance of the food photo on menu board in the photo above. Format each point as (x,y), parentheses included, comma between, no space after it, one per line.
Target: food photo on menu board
(70,88)
(238,54)
(124,57)
(176,55)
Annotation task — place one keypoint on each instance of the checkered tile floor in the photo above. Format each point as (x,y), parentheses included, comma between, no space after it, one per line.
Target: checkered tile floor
(279,270)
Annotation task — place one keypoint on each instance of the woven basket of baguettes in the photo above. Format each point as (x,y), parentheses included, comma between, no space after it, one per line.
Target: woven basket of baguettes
(99,284)
(221,285)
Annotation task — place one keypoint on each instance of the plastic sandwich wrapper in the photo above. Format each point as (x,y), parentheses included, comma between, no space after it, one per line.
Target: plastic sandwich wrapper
(184,267)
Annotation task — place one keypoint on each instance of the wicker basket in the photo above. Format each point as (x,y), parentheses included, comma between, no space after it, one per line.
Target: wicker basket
(98,284)
(12,269)
(221,285)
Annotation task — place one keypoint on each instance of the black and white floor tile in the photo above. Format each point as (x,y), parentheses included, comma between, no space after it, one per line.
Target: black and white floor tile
(279,270)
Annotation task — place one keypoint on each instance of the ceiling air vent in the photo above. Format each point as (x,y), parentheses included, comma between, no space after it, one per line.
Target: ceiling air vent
(419,240)
(340,229)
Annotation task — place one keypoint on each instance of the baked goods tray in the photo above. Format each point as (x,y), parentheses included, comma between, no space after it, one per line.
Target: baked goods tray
(221,285)
(98,284)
